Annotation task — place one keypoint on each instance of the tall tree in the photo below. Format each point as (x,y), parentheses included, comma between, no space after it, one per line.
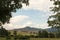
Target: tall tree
(8,6)
(55,22)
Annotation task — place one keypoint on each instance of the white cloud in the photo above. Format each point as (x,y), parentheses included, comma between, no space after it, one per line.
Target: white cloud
(43,25)
(14,22)
(15,26)
(8,26)
(12,26)
(39,5)
(35,25)
(28,23)
(51,19)
(19,18)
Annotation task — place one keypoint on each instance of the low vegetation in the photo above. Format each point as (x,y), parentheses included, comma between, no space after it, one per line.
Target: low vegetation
(41,35)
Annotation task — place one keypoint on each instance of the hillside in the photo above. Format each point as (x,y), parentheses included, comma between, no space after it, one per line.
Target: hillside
(28,29)
(33,31)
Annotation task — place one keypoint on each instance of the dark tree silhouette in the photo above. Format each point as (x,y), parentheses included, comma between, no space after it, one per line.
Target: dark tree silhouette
(51,35)
(43,34)
(15,35)
(8,6)
(3,32)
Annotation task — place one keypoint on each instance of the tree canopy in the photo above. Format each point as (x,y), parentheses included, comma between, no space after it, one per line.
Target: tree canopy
(55,22)
(8,6)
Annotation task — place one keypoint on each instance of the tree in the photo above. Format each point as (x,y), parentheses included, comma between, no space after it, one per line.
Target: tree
(8,6)
(55,22)
(43,34)
(51,35)
(15,35)
(40,34)
(4,32)
(56,17)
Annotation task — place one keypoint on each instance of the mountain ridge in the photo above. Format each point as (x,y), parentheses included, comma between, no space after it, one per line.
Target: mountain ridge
(31,29)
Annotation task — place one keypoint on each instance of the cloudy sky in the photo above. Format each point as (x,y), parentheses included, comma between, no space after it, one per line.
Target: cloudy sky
(34,15)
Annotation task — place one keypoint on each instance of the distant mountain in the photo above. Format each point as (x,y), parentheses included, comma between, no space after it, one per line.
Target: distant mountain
(30,29)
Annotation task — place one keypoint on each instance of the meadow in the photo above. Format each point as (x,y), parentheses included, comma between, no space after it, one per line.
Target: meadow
(32,39)
(44,38)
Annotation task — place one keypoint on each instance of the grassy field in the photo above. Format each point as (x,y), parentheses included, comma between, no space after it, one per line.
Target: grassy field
(44,38)
(35,39)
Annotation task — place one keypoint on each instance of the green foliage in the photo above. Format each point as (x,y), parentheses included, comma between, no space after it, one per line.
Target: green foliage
(15,33)
(4,32)
(43,34)
(56,17)
(51,35)
(8,6)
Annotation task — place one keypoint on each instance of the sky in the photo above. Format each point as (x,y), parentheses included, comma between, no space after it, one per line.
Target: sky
(35,15)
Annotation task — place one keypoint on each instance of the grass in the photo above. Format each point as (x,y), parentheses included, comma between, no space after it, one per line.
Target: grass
(2,38)
(35,39)
(44,38)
